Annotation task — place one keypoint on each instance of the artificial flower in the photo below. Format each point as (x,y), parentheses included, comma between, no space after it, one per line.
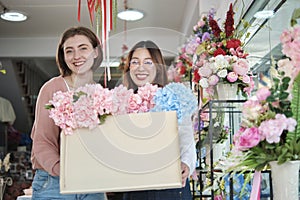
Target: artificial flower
(223,54)
(88,106)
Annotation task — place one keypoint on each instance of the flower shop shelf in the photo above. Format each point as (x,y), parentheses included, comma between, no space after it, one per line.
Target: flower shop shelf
(218,121)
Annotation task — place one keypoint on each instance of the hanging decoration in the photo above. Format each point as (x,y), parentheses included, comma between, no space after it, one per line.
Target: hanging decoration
(105,12)
(124,46)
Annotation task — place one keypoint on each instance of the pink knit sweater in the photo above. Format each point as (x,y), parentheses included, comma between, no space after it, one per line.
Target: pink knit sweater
(45,134)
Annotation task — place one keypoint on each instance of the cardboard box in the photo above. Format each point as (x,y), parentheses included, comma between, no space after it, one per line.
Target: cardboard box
(126,153)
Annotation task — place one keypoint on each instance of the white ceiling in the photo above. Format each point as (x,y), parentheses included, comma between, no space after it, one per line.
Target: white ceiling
(167,22)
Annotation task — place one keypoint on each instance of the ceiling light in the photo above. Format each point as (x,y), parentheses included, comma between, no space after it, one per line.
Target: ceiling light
(15,16)
(264,14)
(130,15)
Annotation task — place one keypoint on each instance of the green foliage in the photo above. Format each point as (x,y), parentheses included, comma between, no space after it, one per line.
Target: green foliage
(49,106)
(296,108)
(295,16)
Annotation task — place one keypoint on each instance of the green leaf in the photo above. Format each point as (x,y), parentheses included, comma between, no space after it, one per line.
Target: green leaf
(49,106)
(295,16)
(295,106)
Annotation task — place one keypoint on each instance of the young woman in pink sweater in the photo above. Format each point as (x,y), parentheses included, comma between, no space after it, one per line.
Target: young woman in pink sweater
(78,54)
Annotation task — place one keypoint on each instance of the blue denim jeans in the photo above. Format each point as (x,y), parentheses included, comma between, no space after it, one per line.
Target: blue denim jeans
(167,194)
(46,187)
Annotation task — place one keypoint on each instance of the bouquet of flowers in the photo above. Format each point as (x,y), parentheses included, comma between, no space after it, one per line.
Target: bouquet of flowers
(220,58)
(269,130)
(89,105)
(185,70)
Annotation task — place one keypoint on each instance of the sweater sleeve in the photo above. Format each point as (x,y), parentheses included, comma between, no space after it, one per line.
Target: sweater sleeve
(187,144)
(45,135)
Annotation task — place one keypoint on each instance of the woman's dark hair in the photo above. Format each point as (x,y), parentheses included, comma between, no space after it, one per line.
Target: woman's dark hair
(71,32)
(161,77)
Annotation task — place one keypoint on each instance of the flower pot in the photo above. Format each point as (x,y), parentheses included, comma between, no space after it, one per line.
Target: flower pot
(285,180)
(226,91)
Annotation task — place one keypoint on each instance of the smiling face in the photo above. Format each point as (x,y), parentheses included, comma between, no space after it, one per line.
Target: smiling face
(79,54)
(142,68)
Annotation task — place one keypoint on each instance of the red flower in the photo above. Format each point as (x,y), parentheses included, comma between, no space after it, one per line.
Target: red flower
(196,77)
(229,23)
(215,27)
(219,51)
(233,43)
(182,70)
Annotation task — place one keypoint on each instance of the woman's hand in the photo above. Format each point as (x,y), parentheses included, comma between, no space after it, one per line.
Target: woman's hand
(185,171)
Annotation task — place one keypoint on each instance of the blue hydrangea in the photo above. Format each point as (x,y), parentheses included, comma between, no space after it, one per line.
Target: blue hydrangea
(175,97)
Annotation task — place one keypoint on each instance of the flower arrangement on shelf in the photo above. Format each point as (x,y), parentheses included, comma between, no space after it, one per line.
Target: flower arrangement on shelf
(89,105)
(184,66)
(269,130)
(220,58)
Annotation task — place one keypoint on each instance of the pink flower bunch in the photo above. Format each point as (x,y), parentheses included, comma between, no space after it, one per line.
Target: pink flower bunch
(184,61)
(220,58)
(81,108)
(143,100)
(260,123)
(226,69)
(87,106)
(290,40)
(267,119)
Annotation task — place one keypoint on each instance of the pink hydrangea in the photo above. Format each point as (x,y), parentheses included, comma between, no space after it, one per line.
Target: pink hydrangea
(84,113)
(62,114)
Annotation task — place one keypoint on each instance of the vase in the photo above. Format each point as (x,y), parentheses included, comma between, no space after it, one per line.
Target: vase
(226,91)
(285,180)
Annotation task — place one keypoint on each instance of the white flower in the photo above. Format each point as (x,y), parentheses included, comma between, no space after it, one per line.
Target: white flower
(204,83)
(223,73)
(221,62)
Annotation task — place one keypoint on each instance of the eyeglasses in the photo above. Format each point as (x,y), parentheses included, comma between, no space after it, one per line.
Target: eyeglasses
(146,63)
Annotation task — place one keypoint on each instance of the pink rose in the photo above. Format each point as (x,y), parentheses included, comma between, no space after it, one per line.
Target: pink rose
(241,67)
(248,138)
(246,79)
(263,93)
(232,77)
(213,80)
(205,71)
